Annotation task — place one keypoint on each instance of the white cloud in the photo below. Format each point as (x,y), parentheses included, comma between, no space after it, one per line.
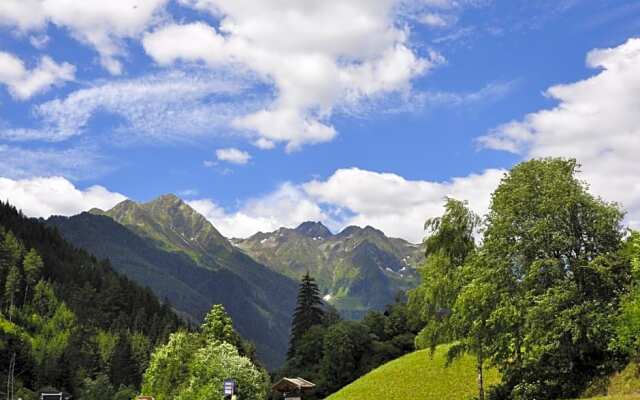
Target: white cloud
(46,196)
(396,205)
(286,207)
(167,45)
(596,121)
(102,24)
(317,56)
(431,100)
(24,83)
(353,197)
(173,105)
(434,20)
(233,155)
(39,41)
(24,14)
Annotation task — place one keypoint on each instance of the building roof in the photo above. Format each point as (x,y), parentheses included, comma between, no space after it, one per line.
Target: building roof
(291,384)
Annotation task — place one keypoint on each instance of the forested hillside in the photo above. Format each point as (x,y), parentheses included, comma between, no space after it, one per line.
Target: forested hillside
(70,321)
(175,251)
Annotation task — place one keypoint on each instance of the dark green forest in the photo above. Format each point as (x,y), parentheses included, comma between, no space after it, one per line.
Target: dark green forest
(68,320)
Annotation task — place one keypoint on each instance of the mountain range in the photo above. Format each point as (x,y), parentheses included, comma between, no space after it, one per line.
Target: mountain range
(169,247)
(357,269)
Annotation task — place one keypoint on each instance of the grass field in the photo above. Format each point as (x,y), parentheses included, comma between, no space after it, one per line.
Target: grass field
(418,376)
(624,385)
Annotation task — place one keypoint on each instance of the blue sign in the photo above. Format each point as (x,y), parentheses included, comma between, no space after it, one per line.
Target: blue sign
(229,387)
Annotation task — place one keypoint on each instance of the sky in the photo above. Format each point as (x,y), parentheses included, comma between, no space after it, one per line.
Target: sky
(350,112)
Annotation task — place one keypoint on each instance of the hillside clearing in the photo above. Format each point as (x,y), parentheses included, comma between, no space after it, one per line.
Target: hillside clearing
(418,376)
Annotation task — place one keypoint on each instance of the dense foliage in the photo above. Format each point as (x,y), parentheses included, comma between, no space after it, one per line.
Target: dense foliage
(70,321)
(450,243)
(449,246)
(193,366)
(539,298)
(332,353)
(628,318)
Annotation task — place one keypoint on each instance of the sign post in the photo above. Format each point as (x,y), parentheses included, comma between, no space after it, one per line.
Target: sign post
(230,389)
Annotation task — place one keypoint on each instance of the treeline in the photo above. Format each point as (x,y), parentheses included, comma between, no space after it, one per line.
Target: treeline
(549,296)
(68,320)
(331,352)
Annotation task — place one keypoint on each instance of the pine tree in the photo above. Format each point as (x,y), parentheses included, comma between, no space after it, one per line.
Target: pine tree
(32,266)
(12,288)
(123,365)
(309,311)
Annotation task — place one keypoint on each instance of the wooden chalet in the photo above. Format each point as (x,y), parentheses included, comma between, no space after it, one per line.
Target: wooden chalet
(293,388)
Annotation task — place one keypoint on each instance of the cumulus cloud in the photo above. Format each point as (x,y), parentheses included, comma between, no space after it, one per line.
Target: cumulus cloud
(23,83)
(287,206)
(172,105)
(396,205)
(596,121)
(104,25)
(316,57)
(46,196)
(233,155)
(387,201)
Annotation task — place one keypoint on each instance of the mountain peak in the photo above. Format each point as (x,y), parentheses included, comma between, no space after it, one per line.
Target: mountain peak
(371,229)
(96,211)
(170,221)
(124,205)
(168,199)
(314,229)
(350,230)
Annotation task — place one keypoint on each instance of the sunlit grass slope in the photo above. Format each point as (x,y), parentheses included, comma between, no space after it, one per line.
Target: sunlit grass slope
(624,385)
(418,376)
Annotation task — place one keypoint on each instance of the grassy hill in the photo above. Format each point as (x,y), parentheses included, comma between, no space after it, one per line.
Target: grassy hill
(623,385)
(418,376)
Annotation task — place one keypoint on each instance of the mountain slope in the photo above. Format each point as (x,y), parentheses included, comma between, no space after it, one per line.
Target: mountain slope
(176,252)
(357,269)
(419,376)
(54,327)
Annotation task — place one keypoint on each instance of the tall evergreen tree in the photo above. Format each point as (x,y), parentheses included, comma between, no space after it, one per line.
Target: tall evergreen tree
(12,288)
(32,266)
(123,365)
(309,311)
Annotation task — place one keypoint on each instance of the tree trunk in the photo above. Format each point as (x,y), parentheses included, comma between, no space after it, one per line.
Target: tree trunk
(480,359)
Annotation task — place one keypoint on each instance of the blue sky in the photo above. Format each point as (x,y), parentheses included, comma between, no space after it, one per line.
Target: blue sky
(351,112)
